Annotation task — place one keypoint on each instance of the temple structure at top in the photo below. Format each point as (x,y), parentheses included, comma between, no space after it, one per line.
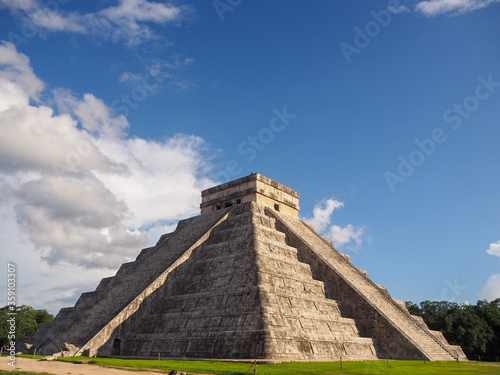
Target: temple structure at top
(252,188)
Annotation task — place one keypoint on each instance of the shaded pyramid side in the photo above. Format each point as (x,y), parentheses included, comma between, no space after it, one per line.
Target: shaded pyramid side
(76,325)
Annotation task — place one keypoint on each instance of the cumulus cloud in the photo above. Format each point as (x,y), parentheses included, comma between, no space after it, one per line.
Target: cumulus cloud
(80,190)
(395,7)
(158,74)
(77,220)
(126,22)
(494,249)
(436,7)
(19,83)
(343,235)
(491,289)
(40,284)
(322,214)
(340,236)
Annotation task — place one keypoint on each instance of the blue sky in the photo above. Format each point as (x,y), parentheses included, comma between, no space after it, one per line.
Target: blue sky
(114,116)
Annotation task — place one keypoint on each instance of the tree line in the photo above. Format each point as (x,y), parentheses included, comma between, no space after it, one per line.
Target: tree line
(476,328)
(27,320)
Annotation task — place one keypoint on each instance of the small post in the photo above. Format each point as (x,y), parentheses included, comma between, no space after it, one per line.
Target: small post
(255,369)
(1,352)
(34,353)
(497,359)
(479,358)
(158,359)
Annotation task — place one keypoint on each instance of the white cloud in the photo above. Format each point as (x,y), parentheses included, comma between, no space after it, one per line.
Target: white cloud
(322,213)
(42,285)
(158,74)
(76,220)
(18,81)
(494,249)
(125,22)
(340,236)
(142,10)
(491,289)
(436,7)
(395,7)
(78,189)
(92,113)
(132,79)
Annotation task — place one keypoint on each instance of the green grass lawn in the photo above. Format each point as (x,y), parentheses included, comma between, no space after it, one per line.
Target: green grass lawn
(305,368)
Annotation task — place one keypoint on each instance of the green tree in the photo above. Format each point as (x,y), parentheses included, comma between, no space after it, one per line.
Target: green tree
(4,327)
(435,312)
(27,321)
(490,313)
(475,328)
(462,326)
(42,316)
(413,308)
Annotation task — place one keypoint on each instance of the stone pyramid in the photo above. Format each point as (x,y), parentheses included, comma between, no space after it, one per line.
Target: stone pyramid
(246,279)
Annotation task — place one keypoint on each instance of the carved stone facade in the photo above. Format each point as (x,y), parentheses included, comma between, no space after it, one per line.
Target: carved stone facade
(245,279)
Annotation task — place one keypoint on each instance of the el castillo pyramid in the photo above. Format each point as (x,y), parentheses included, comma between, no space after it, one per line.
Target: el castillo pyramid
(245,279)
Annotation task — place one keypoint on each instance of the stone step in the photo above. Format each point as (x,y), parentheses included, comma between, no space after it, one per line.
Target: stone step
(283,265)
(232,234)
(295,283)
(221,265)
(220,249)
(272,234)
(317,324)
(277,249)
(229,281)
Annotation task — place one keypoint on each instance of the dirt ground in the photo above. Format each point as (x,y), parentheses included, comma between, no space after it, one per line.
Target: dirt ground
(64,368)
